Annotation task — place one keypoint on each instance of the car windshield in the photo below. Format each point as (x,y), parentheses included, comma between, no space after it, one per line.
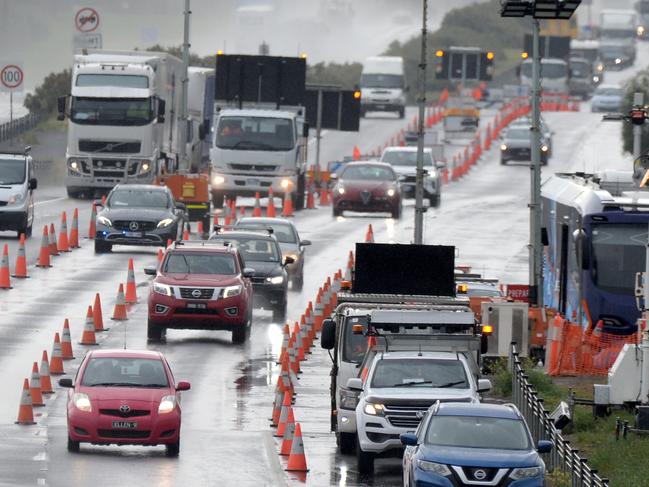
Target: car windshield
(355,345)
(518,133)
(580,69)
(478,432)
(406,158)
(419,373)
(618,254)
(111,111)
(124,372)
(283,232)
(608,91)
(367,173)
(12,171)
(548,70)
(590,54)
(200,263)
(253,249)
(255,133)
(142,198)
(393,81)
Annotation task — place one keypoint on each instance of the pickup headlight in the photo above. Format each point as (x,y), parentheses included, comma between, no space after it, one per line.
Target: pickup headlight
(16,199)
(167,404)
(163,289)
(341,190)
(275,280)
(544,148)
(374,409)
(231,291)
(165,223)
(391,192)
(348,399)
(434,467)
(104,221)
(526,473)
(81,401)
(503,146)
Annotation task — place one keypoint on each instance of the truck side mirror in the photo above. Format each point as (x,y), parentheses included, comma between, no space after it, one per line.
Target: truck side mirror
(582,248)
(305,130)
(162,105)
(33,183)
(328,335)
(60,103)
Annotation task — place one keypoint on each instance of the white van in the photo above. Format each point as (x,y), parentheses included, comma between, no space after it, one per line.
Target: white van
(383,86)
(17,184)
(554,75)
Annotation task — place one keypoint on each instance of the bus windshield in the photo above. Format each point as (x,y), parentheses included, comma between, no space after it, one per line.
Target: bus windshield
(618,253)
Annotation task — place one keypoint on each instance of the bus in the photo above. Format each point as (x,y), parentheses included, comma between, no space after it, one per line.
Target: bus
(596,229)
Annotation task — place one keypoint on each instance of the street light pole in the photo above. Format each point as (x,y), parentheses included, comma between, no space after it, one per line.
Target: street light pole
(536,249)
(184,157)
(419,184)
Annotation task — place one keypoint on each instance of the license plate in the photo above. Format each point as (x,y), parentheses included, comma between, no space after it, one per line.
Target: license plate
(197,305)
(133,234)
(380,107)
(252,182)
(129,425)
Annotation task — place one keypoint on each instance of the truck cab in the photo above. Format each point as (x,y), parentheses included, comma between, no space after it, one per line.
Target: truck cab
(17,185)
(555,75)
(383,86)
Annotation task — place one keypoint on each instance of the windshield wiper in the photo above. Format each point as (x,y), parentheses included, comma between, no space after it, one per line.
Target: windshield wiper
(413,383)
(113,384)
(450,384)
(259,145)
(150,385)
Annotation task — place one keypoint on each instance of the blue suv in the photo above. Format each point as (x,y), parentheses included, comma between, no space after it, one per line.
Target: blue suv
(463,444)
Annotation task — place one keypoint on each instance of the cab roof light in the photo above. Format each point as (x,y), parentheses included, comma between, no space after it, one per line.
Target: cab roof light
(357,329)
(524,55)
(487,329)
(462,288)
(345,285)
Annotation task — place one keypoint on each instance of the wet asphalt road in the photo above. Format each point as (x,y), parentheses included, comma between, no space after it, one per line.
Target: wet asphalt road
(226,439)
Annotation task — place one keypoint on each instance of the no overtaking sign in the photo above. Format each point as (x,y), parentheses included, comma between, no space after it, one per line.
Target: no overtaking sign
(86,20)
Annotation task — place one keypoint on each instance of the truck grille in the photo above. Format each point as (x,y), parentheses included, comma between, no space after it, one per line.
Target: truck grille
(109,146)
(253,167)
(405,416)
(188,292)
(141,226)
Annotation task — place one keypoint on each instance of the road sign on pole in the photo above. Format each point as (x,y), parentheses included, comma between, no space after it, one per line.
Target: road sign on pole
(86,20)
(11,77)
(88,41)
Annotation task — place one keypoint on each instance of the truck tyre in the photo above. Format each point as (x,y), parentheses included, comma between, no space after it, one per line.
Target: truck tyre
(153,332)
(74,193)
(279,312)
(364,460)
(346,442)
(336,211)
(217,200)
(402,112)
(102,247)
(301,188)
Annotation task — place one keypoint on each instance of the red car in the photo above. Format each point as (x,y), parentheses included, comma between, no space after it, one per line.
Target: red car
(124,397)
(200,285)
(367,186)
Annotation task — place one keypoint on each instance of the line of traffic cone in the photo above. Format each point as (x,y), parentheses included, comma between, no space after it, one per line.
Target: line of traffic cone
(66,342)
(73,239)
(271,211)
(20,270)
(64,243)
(5,275)
(287,207)
(88,336)
(119,312)
(131,289)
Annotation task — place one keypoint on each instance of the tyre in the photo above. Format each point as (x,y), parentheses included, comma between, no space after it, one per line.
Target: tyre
(336,211)
(241,333)
(74,193)
(301,188)
(433,200)
(298,281)
(279,312)
(102,247)
(73,446)
(402,112)
(503,162)
(153,332)
(207,221)
(363,113)
(28,231)
(346,442)
(364,460)
(396,212)
(217,200)
(173,449)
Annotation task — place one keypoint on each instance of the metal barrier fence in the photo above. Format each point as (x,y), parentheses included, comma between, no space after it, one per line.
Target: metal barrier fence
(563,458)
(18,126)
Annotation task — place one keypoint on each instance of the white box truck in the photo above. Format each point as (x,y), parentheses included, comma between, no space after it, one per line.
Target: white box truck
(617,37)
(383,85)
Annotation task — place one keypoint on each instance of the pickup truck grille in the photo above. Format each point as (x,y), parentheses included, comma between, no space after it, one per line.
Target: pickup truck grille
(253,167)
(109,146)
(188,292)
(405,416)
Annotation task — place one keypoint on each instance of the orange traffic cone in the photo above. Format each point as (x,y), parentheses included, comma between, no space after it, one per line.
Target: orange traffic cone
(289,433)
(56,364)
(131,291)
(25,410)
(46,380)
(35,387)
(356,154)
(286,405)
(5,278)
(297,459)
(324,197)
(242,211)
(160,255)
(369,236)
(200,230)
(270,208)
(287,208)
(284,350)
(54,250)
(97,314)
(277,408)
(310,199)
(20,271)
(92,229)
(119,313)
(256,212)
(185,238)
(88,336)
(66,342)
(64,243)
(227,214)
(74,230)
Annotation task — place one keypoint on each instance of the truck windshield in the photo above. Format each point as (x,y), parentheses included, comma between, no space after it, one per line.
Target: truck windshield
(406,158)
(548,70)
(255,133)
(12,171)
(618,34)
(200,263)
(478,432)
(419,372)
(111,111)
(371,80)
(618,254)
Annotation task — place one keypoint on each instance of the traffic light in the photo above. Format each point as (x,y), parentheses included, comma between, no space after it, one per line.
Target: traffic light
(486,65)
(441,64)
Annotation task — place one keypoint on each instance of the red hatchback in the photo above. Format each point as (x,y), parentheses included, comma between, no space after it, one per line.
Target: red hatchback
(124,397)
(200,285)
(367,186)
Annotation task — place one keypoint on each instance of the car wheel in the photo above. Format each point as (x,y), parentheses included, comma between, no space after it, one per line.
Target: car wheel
(396,212)
(173,449)
(346,442)
(28,231)
(153,332)
(73,193)
(217,200)
(402,112)
(279,312)
(73,446)
(102,247)
(336,212)
(240,333)
(503,161)
(298,281)
(434,200)
(364,460)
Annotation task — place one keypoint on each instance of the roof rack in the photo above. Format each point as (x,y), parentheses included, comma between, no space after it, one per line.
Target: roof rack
(25,152)
(253,228)
(347,297)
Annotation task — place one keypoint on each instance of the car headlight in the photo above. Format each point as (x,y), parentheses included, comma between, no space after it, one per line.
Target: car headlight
(286,184)
(374,409)
(595,79)
(526,473)
(618,60)
(231,291)
(434,467)
(163,289)
(600,67)
(167,404)
(640,30)
(341,190)
(165,223)
(503,146)
(544,148)
(81,401)
(391,192)
(275,280)
(218,180)
(348,399)
(104,221)
(16,199)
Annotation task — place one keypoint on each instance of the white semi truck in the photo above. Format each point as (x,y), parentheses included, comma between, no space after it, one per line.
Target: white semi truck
(124,119)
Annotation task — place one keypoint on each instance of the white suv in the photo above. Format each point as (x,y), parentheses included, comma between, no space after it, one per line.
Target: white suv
(399,389)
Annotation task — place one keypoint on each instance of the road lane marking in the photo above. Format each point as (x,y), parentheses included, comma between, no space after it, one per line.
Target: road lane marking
(54,200)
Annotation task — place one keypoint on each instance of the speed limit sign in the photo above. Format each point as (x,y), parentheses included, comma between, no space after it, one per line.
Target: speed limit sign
(11,77)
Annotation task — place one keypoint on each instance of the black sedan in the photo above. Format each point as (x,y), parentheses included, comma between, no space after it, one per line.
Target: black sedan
(138,214)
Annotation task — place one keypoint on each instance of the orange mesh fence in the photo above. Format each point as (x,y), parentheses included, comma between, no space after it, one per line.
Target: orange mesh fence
(586,352)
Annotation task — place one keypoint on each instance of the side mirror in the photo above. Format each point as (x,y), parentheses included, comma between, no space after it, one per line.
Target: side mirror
(288,260)
(328,334)
(162,105)
(33,183)
(355,384)
(408,439)
(440,165)
(150,271)
(60,105)
(66,383)
(582,248)
(248,272)
(180,206)
(484,385)
(305,130)
(99,203)
(305,243)
(544,446)
(183,386)
(333,176)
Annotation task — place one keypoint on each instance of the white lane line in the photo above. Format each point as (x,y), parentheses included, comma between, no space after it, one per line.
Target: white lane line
(38,203)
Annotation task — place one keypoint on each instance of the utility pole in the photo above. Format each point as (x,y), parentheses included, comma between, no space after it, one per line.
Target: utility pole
(536,249)
(419,185)
(184,157)
(638,101)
